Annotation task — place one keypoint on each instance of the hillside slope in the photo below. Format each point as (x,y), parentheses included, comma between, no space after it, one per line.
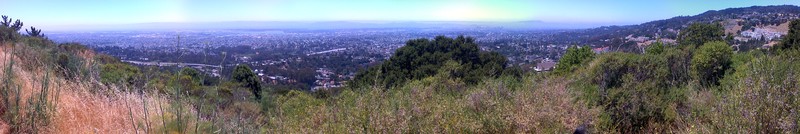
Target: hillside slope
(76,109)
(745,24)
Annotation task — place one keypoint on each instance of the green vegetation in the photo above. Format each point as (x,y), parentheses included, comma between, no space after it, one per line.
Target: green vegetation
(792,38)
(244,75)
(119,73)
(655,48)
(444,85)
(8,29)
(422,58)
(711,61)
(573,58)
(25,111)
(699,33)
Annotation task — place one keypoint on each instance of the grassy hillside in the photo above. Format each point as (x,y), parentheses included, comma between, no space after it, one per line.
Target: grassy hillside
(702,87)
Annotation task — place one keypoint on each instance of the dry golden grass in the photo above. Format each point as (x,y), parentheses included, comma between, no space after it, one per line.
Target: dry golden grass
(78,110)
(81,112)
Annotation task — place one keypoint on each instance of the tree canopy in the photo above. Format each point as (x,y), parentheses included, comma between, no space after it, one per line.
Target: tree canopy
(244,75)
(422,58)
(699,33)
(573,58)
(792,38)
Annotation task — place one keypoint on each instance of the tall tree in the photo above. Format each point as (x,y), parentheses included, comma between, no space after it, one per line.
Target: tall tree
(16,26)
(244,75)
(573,58)
(33,32)
(792,38)
(422,58)
(9,29)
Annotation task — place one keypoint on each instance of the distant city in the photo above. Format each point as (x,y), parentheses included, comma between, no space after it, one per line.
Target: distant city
(274,54)
(327,54)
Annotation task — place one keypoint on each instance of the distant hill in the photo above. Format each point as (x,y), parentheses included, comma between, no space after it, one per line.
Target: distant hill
(324,25)
(759,20)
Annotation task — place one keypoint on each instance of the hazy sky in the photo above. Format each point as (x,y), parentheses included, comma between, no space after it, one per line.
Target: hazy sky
(82,12)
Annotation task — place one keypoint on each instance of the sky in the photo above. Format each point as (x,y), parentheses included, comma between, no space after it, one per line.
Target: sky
(64,13)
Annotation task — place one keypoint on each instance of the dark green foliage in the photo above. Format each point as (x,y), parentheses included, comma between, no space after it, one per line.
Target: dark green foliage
(9,29)
(189,80)
(766,88)
(193,74)
(16,26)
(699,33)
(70,66)
(792,38)
(711,61)
(7,34)
(119,73)
(655,48)
(422,58)
(636,91)
(573,58)
(244,75)
(33,32)
(678,62)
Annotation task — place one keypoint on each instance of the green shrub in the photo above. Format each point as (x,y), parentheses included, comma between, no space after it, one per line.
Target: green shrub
(634,90)
(70,66)
(762,96)
(700,33)
(573,58)
(243,74)
(710,62)
(423,58)
(792,38)
(119,73)
(655,48)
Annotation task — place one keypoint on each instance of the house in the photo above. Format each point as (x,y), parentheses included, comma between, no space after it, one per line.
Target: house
(600,50)
(545,65)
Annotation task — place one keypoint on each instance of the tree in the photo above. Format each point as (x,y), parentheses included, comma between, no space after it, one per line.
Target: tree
(573,58)
(699,33)
(792,38)
(421,58)
(710,62)
(8,30)
(16,26)
(244,75)
(33,32)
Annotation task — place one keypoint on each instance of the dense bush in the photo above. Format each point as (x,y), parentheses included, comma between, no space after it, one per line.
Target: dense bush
(422,58)
(244,75)
(637,92)
(9,29)
(711,61)
(119,73)
(655,48)
(761,95)
(70,66)
(792,38)
(699,33)
(573,58)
